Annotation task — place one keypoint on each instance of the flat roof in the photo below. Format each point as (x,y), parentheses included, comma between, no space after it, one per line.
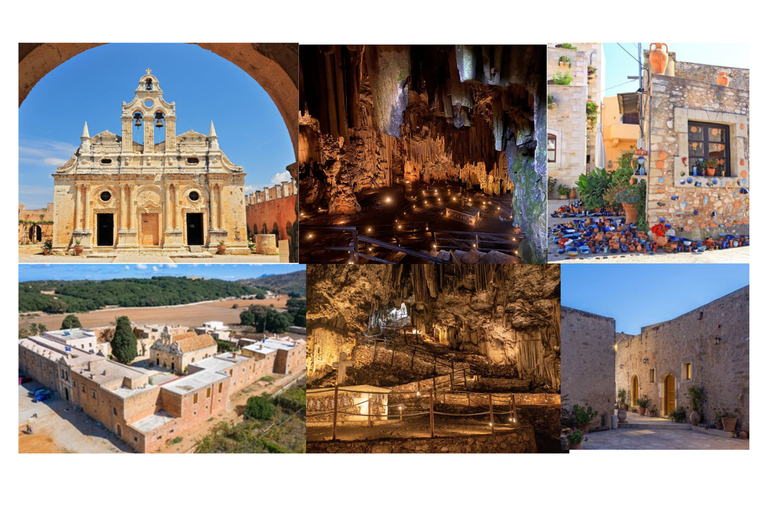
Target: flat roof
(260,348)
(219,363)
(193,382)
(153,421)
(66,335)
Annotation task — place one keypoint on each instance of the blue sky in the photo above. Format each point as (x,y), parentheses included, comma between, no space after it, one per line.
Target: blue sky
(618,65)
(229,272)
(637,295)
(93,85)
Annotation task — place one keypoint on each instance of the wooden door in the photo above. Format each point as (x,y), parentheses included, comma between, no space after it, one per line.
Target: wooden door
(669,394)
(150,229)
(635,391)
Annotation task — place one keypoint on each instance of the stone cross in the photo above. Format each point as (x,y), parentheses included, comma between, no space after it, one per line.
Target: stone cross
(341,368)
(149,71)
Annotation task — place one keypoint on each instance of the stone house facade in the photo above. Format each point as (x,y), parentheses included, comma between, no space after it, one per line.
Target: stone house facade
(588,359)
(690,118)
(707,347)
(571,139)
(149,189)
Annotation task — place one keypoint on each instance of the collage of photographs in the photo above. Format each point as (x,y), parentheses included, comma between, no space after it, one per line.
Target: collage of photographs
(412,249)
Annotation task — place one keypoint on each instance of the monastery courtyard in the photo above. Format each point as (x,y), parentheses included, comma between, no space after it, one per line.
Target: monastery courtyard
(34,254)
(660,434)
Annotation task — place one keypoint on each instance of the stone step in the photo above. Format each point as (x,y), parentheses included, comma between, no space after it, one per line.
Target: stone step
(101,255)
(657,425)
(204,254)
(195,248)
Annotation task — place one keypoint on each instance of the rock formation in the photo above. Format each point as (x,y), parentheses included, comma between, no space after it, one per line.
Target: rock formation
(375,116)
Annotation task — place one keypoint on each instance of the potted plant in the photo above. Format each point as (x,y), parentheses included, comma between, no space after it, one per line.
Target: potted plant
(575,437)
(697,397)
(78,248)
(642,405)
(652,411)
(659,234)
(551,102)
(562,78)
(711,166)
(563,190)
(583,416)
(678,415)
(628,195)
(591,72)
(47,246)
(622,414)
(564,60)
(222,248)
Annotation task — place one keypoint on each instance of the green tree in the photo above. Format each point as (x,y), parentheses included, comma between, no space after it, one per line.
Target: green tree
(259,408)
(123,344)
(56,306)
(71,322)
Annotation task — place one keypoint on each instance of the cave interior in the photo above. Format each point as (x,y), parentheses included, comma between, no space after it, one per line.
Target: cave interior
(416,147)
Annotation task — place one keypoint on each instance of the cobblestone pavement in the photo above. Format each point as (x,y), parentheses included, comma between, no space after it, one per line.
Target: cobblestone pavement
(659,439)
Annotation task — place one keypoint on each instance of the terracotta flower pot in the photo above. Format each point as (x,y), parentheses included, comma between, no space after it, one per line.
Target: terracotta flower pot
(574,194)
(722,79)
(658,57)
(729,424)
(641,411)
(622,415)
(710,171)
(661,241)
(631,212)
(221,249)
(576,446)
(694,418)
(78,250)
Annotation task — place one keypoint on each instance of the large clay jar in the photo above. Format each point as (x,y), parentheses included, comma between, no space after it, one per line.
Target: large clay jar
(631,212)
(658,57)
(661,241)
(695,418)
(722,79)
(622,416)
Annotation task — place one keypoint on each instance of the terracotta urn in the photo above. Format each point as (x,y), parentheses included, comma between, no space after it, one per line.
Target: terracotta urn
(641,411)
(78,249)
(658,57)
(631,212)
(576,446)
(694,418)
(574,194)
(722,79)
(710,171)
(729,424)
(221,249)
(622,415)
(661,241)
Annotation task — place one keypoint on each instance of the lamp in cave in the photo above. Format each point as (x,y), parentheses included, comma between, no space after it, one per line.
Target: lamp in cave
(309,236)
(389,199)
(369,230)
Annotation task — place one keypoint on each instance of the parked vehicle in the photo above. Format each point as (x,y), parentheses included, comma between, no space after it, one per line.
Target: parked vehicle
(23,379)
(36,390)
(43,395)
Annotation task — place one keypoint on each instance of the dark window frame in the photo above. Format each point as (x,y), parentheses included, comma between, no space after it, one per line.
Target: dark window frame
(552,137)
(724,169)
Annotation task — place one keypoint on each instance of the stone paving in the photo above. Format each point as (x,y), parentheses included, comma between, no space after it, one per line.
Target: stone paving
(33,254)
(659,439)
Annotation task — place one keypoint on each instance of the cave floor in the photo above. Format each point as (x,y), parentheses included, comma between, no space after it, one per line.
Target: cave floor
(408,428)
(404,215)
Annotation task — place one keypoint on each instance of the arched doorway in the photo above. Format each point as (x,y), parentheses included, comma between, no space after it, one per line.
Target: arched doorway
(119,431)
(35,233)
(634,391)
(668,402)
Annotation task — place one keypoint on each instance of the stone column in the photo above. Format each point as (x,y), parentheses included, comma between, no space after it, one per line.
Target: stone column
(214,209)
(78,207)
(218,207)
(129,193)
(121,207)
(86,208)
(167,218)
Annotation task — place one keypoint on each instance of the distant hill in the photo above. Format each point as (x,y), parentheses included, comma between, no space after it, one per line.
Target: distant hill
(293,282)
(82,295)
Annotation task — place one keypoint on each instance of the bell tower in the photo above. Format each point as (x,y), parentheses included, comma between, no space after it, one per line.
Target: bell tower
(147,111)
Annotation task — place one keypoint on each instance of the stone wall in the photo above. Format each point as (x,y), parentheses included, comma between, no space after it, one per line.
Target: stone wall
(522,440)
(568,119)
(714,339)
(280,211)
(35,225)
(706,206)
(588,355)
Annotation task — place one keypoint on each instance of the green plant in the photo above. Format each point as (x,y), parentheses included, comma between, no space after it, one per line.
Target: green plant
(564,59)
(562,78)
(678,415)
(124,342)
(591,113)
(697,397)
(568,46)
(620,193)
(591,186)
(591,71)
(551,184)
(622,395)
(259,408)
(71,322)
(584,415)
(550,102)
(575,436)
(77,242)
(222,242)
(644,402)
(176,440)
(48,244)
(563,190)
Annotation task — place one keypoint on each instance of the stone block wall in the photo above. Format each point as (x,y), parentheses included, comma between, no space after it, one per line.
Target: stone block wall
(706,206)
(280,211)
(588,355)
(714,339)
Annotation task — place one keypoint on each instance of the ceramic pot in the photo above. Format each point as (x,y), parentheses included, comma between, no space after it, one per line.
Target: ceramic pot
(641,411)
(574,194)
(729,424)
(221,249)
(622,416)
(722,79)
(710,171)
(661,241)
(78,250)
(695,418)
(658,57)
(631,212)
(572,446)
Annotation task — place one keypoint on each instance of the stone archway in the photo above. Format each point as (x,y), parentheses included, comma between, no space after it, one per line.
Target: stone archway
(275,66)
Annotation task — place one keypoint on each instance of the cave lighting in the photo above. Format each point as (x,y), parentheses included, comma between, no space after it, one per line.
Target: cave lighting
(369,230)
(389,199)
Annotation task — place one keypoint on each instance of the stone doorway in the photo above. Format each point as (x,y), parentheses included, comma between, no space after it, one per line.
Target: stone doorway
(669,395)
(150,229)
(195,229)
(35,233)
(105,229)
